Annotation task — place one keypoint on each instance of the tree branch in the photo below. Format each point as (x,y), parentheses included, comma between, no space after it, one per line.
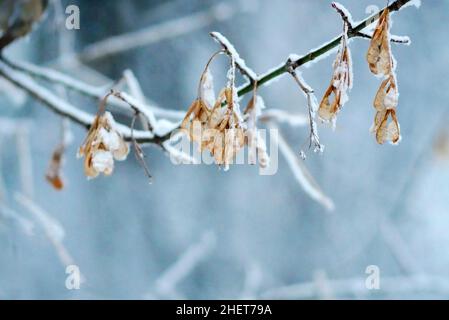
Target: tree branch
(312,55)
(66,109)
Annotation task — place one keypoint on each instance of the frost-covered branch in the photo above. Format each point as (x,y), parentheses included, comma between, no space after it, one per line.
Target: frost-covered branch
(239,62)
(312,107)
(97,93)
(65,109)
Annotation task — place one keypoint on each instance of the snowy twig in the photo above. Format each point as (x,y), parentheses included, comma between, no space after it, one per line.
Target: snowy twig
(253,281)
(396,39)
(25,161)
(83,88)
(312,107)
(138,152)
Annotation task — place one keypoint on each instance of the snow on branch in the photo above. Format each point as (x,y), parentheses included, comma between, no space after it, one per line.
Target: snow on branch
(230,50)
(321,50)
(63,107)
(165,284)
(97,93)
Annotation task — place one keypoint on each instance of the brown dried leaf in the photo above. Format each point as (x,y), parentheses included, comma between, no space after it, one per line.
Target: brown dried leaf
(379,53)
(336,94)
(102,145)
(387,96)
(386,130)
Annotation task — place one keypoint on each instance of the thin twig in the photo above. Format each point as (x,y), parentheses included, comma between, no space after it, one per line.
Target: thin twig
(239,62)
(301,174)
(312,106)
(25,161)
(52,228)
(138,152)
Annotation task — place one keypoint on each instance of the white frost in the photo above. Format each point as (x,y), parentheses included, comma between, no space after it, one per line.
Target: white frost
(230,48)
(103,161)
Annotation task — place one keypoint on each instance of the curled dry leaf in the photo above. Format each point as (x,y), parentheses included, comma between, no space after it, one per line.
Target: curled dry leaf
(387,96)
(336,94)
(220,129)
(379,53)
(102,145)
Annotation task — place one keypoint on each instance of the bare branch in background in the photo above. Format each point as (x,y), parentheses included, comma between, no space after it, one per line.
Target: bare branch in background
(302,175)
(284,117)
(399,247)
(347,288)
(25,224)
(253,281)
(52,228)
(312,108)
(54,173)
(25,160)
(152,34)
(97,93)
(165,284)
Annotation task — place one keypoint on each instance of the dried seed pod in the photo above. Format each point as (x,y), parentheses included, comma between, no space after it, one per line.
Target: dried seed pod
(102,145)
(386,129)
(387,96)
(197,117)
(381,62)
(379,52)
(340,84)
